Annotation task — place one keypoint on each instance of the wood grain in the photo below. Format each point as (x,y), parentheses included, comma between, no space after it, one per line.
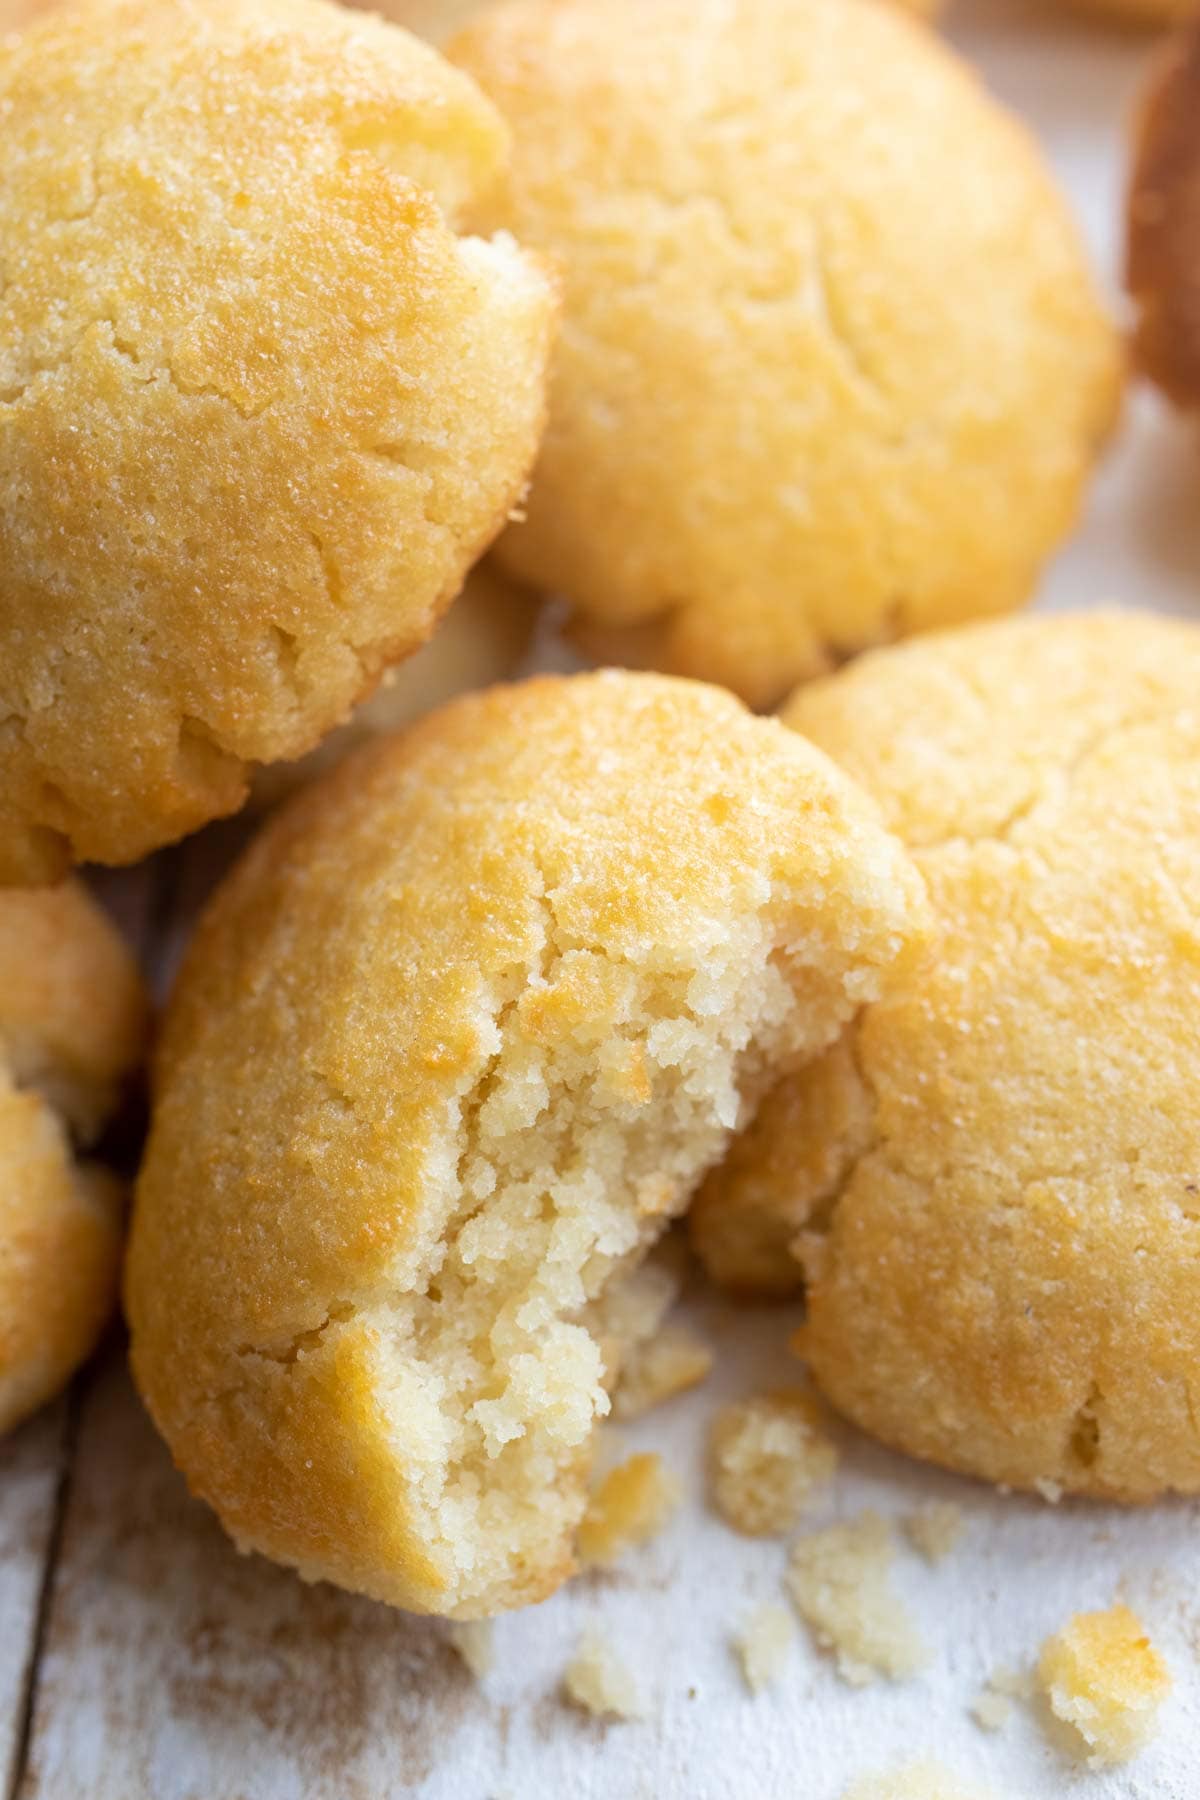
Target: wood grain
(31,1469)
(174,1669)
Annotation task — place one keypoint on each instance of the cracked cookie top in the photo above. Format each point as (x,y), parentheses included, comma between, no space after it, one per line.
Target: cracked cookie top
(452,1046)
(994,1180)
(72,1031)
(832,367)
(260,405)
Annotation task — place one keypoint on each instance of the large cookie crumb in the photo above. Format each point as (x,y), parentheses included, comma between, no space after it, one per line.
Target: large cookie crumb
(1103,1677)
(838,1579)
(767,1459)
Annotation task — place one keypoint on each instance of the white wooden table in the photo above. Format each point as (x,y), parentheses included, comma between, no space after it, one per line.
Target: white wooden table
(142,1659)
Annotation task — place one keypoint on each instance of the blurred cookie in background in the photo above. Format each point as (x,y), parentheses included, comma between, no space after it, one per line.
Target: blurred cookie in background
(822,380)
(1163,224)
(73,1020)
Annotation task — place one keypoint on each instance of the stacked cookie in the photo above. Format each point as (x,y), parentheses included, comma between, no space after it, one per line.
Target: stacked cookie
(897,988)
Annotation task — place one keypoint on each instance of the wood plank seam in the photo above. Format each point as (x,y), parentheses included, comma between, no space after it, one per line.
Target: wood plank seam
(29,1693)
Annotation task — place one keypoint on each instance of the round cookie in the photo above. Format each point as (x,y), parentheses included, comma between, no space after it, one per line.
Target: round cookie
(260,406)
(997,1189)
(72,1030)
(1162,262)
(820,383)
(453,1045)
(481,640)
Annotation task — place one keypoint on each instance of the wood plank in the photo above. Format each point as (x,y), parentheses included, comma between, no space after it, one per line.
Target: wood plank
(31,1470)
(174,1669)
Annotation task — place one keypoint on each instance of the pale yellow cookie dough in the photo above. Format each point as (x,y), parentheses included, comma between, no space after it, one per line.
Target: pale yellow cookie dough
(832,368)
(260,406)
(1103,1678)
(481,640)
(1004,1276)
(72,1030)
(453,1045)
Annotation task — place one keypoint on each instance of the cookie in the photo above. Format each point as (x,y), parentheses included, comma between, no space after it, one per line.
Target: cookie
(435,20)
(820,383)
(1163,224)
(72,1029)
(261,406)
(455,1042)
(482,638)
(999,1206)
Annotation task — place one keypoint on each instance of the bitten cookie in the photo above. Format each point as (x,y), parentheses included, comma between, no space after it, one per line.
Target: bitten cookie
(72,1029)
(453,1045)
(260,406)
(995,1176)
(832,368)
(481,640)
(1163,226)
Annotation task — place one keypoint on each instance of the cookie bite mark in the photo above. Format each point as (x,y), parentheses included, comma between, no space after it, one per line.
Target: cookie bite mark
(514,987)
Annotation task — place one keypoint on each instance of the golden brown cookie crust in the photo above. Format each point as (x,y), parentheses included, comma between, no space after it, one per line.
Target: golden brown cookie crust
(260,406)
(72,1029)
(1163,227)
(484,636)
(796,408)
(1004,1277)
(451,1047)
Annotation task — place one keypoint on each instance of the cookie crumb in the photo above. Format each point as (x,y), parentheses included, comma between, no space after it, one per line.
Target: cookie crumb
(762,1645)
(992,1707)
(1051,1491)
(667,1364)
(597,1681)
(767,1457)
(839,1581)
(936,1529)
(473,1639)
(631,1504)
(915,1781)
(1102,1676)
(991,1711)
(1016,1684)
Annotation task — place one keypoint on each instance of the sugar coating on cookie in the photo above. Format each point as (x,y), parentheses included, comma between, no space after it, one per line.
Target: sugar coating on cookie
(483,637)
(1102,1677)
(1162,265)
(452,1047)
(1003,1274)
(72,1029)
(799,405)
(260,405)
